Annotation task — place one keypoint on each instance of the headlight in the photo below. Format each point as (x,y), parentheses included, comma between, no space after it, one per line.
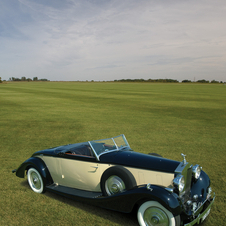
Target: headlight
(179,182)
(196,171)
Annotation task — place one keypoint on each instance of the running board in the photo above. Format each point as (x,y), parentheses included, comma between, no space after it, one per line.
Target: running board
(72,191)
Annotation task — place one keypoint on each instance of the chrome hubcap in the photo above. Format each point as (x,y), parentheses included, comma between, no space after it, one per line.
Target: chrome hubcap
(35,180)
(114,185)
(155,216)
(155,220)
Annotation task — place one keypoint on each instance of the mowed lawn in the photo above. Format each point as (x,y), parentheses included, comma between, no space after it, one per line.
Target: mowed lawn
(168,119)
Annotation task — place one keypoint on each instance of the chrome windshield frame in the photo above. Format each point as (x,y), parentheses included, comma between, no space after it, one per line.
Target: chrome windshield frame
(126,144)
(97,157)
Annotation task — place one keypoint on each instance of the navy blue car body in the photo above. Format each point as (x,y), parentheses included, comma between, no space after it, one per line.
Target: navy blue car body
(109,174)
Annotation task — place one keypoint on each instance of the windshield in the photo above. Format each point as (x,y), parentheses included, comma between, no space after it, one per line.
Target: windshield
(111,144)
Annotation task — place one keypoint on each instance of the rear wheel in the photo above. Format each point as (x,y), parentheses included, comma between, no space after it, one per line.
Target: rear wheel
(153,213)
(116,180)
(114,185)
(35,180)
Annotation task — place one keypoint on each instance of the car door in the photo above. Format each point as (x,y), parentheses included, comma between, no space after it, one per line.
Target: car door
(81,172)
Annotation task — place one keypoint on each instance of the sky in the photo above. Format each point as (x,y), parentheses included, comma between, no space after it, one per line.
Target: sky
(104,40)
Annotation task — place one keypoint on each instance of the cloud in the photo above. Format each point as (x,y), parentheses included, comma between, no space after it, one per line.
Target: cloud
(111,39)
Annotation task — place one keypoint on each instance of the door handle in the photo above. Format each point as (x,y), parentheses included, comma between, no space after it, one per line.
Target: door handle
(95,167)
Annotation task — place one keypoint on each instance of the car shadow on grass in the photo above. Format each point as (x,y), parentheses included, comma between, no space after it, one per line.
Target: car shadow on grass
(124,219)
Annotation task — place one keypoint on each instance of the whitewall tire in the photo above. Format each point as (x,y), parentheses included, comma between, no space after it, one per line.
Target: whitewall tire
(153,213)
(35,180)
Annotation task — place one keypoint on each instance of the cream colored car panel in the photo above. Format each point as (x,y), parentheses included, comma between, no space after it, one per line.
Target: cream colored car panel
(82,174)
(87,175)
(75,173)
(54,166)
(153,177)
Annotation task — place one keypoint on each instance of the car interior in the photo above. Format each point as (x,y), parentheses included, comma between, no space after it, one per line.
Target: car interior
(83,150)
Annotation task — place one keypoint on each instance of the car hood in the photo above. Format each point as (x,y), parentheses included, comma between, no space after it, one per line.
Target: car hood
(139,160)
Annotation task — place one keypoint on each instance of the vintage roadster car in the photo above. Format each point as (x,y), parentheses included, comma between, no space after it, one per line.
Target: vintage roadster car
(109,174)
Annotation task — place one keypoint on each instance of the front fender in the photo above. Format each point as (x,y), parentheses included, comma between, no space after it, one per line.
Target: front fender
(37,163)
(200,187)
(126,201)
(157,193)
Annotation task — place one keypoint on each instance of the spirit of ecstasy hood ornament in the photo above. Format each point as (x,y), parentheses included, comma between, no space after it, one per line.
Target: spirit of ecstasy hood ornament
(184,161)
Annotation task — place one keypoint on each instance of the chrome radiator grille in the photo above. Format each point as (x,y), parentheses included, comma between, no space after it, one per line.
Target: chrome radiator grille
(188,179)
(185,169)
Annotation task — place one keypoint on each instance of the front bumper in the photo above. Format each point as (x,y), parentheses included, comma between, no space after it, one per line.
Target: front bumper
(202,216)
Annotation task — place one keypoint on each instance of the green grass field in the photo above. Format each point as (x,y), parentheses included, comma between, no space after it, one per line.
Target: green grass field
(168,119)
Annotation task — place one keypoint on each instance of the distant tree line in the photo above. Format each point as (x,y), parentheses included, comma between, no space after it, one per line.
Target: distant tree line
(166,81)
(123,80)
(23,79)
(0,80)
(148,80)
(202,81)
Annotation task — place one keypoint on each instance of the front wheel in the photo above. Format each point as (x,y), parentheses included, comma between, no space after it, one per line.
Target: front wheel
(153,213)
(35,180)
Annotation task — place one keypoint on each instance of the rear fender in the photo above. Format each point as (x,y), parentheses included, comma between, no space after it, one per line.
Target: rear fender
(38,164)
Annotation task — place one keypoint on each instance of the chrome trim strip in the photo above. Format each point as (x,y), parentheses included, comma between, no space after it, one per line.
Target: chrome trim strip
(169,190)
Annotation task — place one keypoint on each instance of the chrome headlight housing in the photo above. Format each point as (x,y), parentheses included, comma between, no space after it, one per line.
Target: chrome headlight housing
(178,182)
(196,171)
